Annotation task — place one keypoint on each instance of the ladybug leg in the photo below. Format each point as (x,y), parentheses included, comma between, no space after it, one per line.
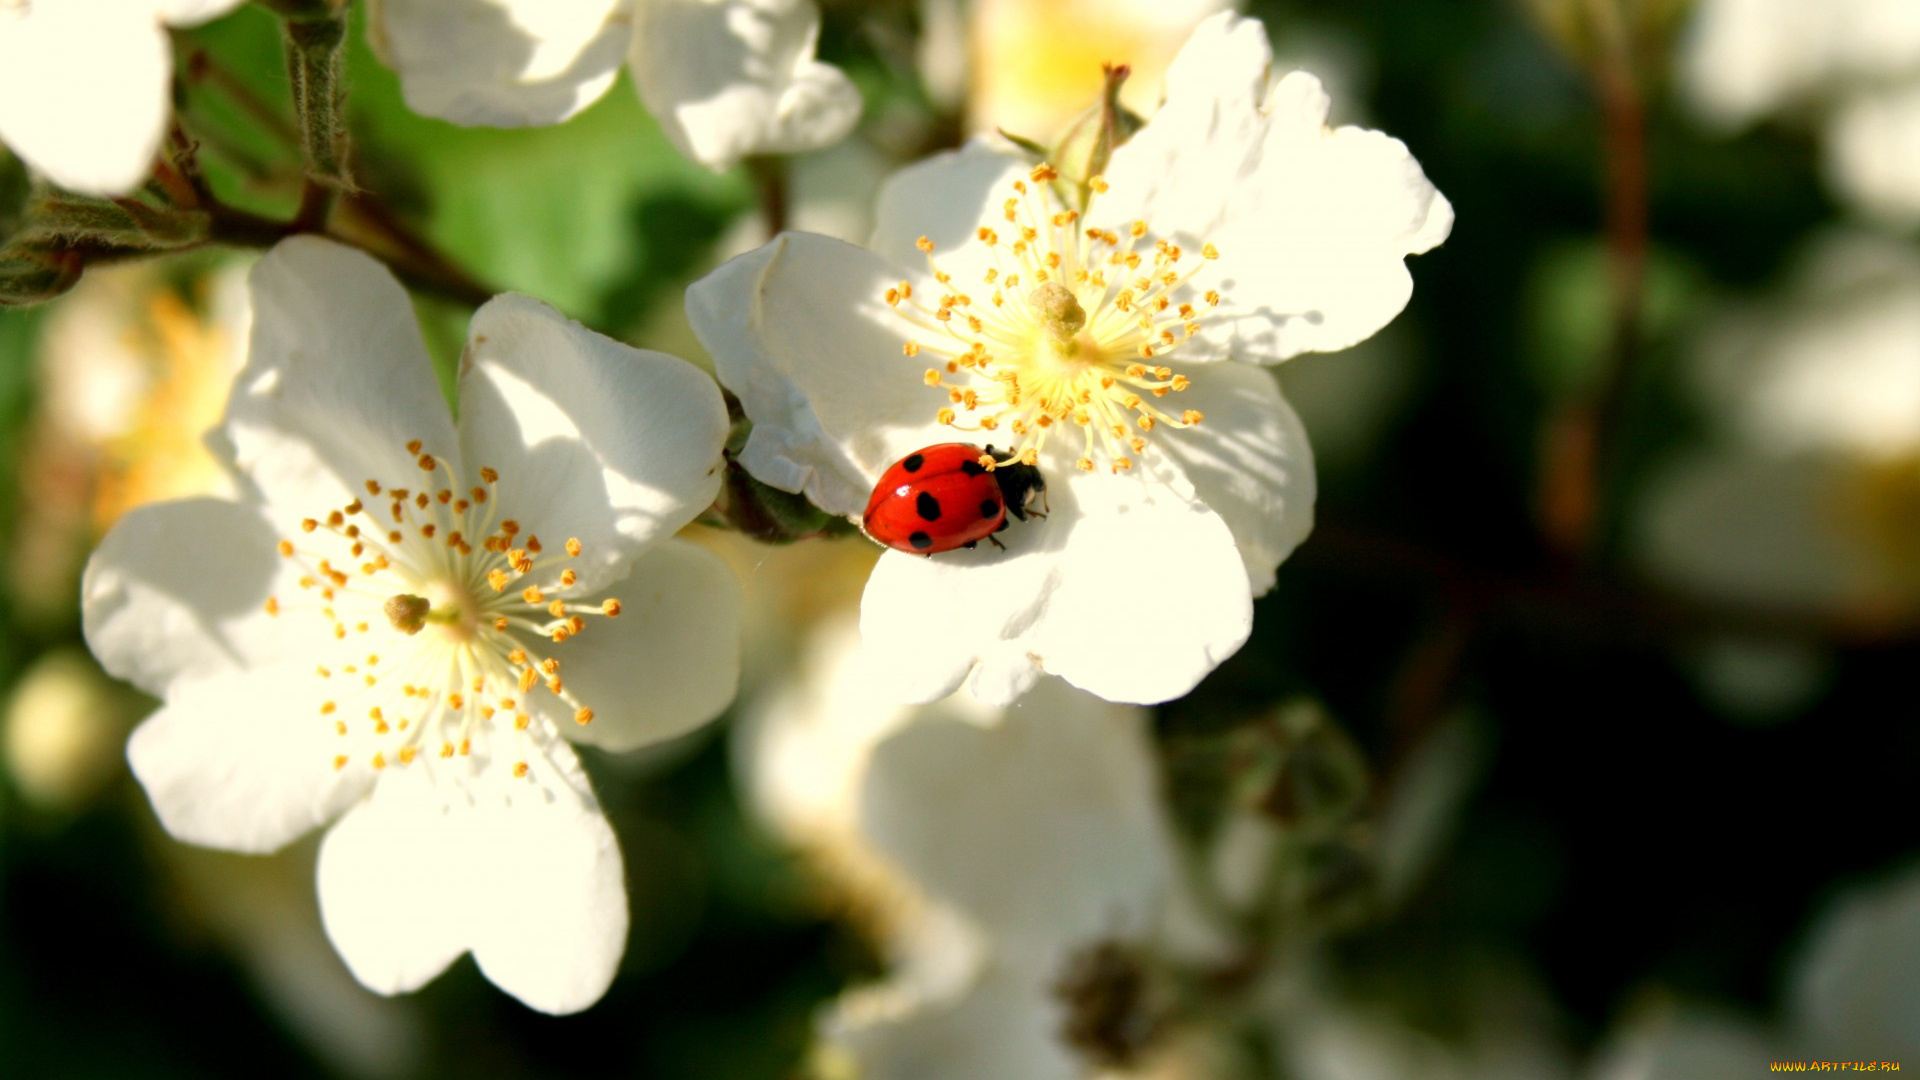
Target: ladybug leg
(971,544)
(994,540)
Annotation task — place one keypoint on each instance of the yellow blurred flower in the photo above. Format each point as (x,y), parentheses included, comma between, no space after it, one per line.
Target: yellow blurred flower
(63,726)
(1034,65)
(133,369)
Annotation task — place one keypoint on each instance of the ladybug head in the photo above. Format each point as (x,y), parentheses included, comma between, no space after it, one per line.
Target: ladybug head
(1019,483)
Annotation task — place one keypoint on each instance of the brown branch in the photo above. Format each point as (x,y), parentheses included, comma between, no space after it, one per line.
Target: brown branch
(770,182)
(1582,446)
(1586,603)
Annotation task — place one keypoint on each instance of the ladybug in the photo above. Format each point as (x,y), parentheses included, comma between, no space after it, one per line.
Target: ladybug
(941,497)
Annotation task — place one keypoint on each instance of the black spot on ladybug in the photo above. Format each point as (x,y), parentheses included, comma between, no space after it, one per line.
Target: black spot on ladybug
(988,508)
(972,468)
(912,462)
(928,506)
(920,541)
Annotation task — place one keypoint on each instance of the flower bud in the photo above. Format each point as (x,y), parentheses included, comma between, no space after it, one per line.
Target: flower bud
(1083,150)
(1578,29)
(60,218)
(33,277)
(1303,771)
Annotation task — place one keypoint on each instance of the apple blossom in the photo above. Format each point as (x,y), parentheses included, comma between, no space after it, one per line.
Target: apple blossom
(725,78)
(1088,340)
(1802,497)
(85,85)
(404,621)
(1856,61)
(990,849)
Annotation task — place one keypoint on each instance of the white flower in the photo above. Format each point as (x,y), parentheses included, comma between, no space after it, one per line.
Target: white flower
(1036,839)
(983,848)
(86,85)
(1235,226)
(1853,989)
(725,78)
(1804,497)
(1857,60)
(406,620)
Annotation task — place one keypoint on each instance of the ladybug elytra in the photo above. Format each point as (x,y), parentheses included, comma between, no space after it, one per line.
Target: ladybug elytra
(941,498)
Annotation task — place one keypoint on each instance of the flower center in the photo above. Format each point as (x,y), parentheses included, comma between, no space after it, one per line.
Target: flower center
(1074,331)
(466,603)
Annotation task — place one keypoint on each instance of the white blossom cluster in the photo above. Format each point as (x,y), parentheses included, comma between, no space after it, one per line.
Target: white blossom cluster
(408,607)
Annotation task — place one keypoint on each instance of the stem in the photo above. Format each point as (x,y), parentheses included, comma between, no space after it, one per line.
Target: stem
(1626,136)
(314,50)
(770,180)
(316,206)
(1583,445)
(409,249)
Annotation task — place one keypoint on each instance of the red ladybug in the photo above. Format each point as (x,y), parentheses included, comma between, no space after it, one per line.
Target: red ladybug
(941,498)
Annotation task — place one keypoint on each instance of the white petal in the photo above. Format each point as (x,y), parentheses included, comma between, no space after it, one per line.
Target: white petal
(927,622)
(1152,600)
(1125,590)
(243,762)
(396,884)
(176,592)
(1857,981)
(1743,58)
(550,907)
(83,91)
(1183,169)
(729,78)
(1044,828)
(1828,365)
(1006,1025)
(1248,462)
(1747,528)
(524,872)
(945,198)
(593,439)
(1319,264)
(1313,224)
(503,63)
(669,663)
(800,331)
(1682,1042)
(193,12)
(337,381)
(1870,153)
(800,749)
